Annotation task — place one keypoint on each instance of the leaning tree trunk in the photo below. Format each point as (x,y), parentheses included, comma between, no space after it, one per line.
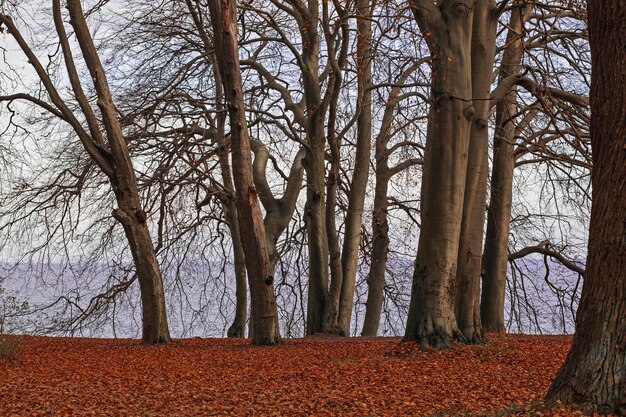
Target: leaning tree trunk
(358,187)
(447,28)
(467,289)
(124,183)
(499,214)
(595,369)
(260,274)
(111,156)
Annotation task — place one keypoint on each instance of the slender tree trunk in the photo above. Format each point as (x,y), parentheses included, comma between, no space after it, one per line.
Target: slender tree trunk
(124,183)
(358,187)
(380,248)
(447,28)
(595,369)
(238,327)
(260,273)
(330,324)
(467,294)
(315,218)
(499,214)
(380,225)
(315,207)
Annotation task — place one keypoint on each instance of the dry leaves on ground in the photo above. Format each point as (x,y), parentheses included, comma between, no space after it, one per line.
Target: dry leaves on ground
(305,377)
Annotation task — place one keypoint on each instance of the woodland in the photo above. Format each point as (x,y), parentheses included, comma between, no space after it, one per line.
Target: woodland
(286,175)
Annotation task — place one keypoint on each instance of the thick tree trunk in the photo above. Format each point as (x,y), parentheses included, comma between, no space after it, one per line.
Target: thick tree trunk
(467,293)
(499,214)
(447,28)
(358,187)
(260,273)
(595,369)
(124,183)
(154,317)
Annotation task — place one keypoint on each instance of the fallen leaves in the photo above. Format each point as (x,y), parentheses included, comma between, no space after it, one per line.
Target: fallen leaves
(309,377)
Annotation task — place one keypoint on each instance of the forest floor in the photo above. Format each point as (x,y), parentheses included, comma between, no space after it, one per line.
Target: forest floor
(302,377)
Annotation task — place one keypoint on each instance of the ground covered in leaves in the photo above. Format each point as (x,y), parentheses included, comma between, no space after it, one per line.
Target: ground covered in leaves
(306,377)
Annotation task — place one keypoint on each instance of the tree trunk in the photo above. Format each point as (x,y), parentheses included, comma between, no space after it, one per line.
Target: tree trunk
(315,218)
(133,220)
(330,324)
(447,28)
(380,225)
(380,248)
(260,274)
(499,214)
(595,369)
(358,187)
(124,183)
(467,290)
(315,207)
(278,212)
(238,327)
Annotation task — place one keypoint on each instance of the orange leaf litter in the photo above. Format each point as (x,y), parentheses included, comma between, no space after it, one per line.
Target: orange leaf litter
(302,377)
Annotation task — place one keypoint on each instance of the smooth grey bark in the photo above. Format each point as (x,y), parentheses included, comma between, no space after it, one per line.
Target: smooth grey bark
(595,369)
(467,286)
(499,213)
(358,186)
(447,28)
(260,274)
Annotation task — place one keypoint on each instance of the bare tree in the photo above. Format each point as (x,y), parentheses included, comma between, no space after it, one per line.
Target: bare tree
(260,272)
(109,152)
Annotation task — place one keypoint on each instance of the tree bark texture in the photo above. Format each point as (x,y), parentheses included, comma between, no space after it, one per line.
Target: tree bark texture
(260,274)
(595,369)
(499,214)
(447,28)
(467,289)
